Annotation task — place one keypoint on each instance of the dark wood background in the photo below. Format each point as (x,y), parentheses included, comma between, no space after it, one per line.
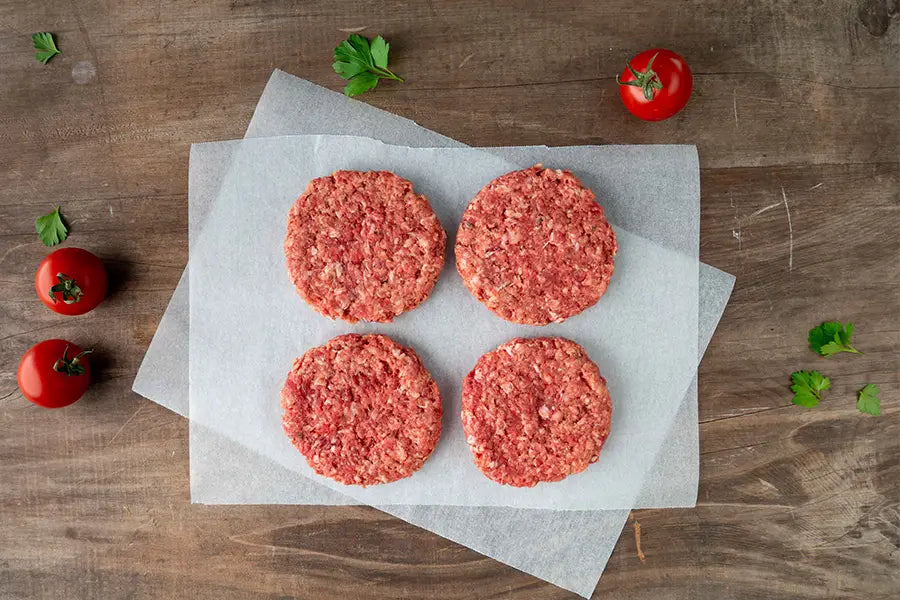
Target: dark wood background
(795,99)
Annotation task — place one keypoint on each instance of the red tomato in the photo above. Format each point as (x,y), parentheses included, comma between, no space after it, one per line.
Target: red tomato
(71,281)
(54,373)
(655,84)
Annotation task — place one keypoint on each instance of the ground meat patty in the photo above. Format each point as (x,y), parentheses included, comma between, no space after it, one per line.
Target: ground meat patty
(362,409)
(362,246)
(535,410)
(534,246)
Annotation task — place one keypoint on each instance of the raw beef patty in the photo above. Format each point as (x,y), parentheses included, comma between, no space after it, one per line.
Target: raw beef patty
(535,410)
(363,246)
(534,246)
(362,409)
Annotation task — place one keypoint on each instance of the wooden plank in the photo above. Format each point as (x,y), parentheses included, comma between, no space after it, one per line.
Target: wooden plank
(794,111)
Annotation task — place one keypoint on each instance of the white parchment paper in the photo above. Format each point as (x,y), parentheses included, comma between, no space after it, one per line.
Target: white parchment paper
(214,480)
(568,549)
(247,326)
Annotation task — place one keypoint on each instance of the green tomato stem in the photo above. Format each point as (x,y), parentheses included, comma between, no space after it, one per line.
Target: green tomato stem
(647,80)
(70,291)
(71,366)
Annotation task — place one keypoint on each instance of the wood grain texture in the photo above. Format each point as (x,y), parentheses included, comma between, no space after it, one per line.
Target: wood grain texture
(793,100)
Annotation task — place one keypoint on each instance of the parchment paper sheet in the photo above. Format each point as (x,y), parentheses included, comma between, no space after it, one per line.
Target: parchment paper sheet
(247,323)
(568,549)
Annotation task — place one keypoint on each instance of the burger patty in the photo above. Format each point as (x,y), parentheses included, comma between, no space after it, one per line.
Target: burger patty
(362,409)
(535,410)
(363,246)
(534,246)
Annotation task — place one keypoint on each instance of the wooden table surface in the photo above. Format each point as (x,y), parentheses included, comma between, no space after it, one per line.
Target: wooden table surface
(795,114)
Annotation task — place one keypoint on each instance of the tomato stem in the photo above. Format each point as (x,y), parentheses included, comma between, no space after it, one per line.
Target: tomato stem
(647,80)
(70,291)
(71,366)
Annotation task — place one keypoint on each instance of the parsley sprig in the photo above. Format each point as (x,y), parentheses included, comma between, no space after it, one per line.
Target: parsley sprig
(868,400)
(363,62)
(45,46)
(808,387)
(51,228)
(830,338)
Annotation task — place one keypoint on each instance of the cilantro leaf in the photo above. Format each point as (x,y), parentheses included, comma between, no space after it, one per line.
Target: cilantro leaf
(807,387)
(363,62)
(51,229)
(45,46)
(830,338)
(868,400)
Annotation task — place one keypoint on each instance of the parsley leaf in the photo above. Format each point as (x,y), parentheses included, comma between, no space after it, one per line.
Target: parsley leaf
(50,228)
(361,83)
(380,49)
(363,62)
(831,338)
(807,387)
(868,401)
(45,46)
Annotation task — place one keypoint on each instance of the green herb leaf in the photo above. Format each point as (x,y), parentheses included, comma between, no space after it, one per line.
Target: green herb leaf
(45,46)
(831,338)
(361,83)
(363,62)
(868,400)
(51,229)
(348,54)
(348,70)
(380,49)
(807,387)
(361,45)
